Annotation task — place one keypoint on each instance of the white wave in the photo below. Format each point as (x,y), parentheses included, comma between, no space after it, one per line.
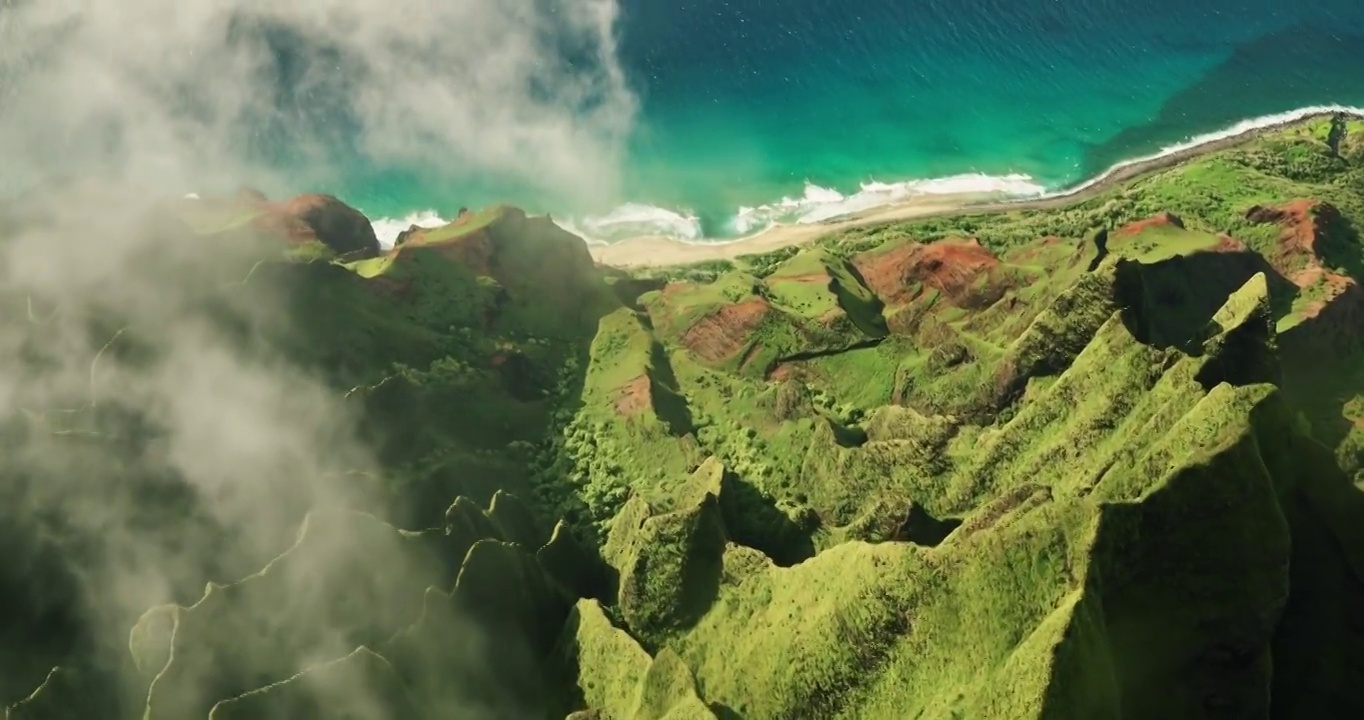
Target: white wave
(635,220)
(756,219)
(815,204)
(819,204)
(191,196)
(1241,128)
(388,229)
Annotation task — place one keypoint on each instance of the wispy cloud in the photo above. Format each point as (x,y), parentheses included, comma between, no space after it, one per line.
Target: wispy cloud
(151,434)
(182,93)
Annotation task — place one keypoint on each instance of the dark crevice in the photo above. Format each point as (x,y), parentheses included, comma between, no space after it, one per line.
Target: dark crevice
(670,404)
(814,354)
(629,289)
(1336,136)
(725,712)
(848,436)
(753,519)
(921,528)
(872,322)
(1244,356)
(1168,304)
(1101,245)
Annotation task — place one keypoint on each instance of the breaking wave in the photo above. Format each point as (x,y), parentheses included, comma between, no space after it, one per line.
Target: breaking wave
(816,204)
(1244,127)
(820,204)
(388,229)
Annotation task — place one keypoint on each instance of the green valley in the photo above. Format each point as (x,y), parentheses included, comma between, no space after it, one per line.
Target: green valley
(1103,460)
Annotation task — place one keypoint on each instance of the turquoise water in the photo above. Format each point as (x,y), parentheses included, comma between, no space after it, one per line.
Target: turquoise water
(746,102)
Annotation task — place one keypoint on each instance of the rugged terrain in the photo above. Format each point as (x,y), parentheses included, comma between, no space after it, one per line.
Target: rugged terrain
(1103,461)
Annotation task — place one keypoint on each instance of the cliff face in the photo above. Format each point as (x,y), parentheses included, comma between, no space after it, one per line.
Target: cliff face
(1100,461)
(319,218)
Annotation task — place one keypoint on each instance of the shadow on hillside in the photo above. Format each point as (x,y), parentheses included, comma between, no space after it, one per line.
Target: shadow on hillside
(1323,361)
(1338,245)
(1320,629)
(753,520)
(41,621)
(669,404)
(847,436)
(725,712)
(921,528)
(627,289)
(1100,241)
(869,315)
(1169,303)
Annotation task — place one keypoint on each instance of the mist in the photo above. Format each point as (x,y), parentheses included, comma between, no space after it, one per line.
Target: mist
(154,440)
(185,96)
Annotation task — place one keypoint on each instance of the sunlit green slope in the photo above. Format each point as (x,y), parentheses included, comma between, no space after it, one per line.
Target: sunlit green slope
(1097,461)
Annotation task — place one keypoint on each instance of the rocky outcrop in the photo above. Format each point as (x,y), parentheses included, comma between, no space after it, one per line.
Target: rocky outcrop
(1316,242)
(727,330)
(473,249)
(669,565)
(1056,336)
(1164,219)
(619,680)
(1315,238)
(321,218)
(961,269)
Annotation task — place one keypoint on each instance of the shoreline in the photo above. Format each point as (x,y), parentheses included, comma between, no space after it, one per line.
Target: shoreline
(661,251)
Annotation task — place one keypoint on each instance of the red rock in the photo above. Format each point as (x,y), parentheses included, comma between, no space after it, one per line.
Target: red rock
(1304,221)
(725,331)
(325,219)
(954,267)
(1159,220)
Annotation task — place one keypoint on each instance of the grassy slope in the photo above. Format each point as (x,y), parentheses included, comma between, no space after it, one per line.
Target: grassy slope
(1045,476)
(1097,417)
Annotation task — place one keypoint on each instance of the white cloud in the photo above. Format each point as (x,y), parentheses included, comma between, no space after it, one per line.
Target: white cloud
(130,95)
(172,92)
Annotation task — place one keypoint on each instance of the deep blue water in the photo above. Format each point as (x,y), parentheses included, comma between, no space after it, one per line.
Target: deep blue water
(745,101)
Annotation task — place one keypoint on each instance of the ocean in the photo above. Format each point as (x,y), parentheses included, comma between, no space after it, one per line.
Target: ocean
(753,112)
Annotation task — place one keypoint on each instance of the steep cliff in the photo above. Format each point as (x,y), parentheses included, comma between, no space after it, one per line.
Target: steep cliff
(1098,461)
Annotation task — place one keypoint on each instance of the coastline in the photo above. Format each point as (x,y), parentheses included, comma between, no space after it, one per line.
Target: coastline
(660,251)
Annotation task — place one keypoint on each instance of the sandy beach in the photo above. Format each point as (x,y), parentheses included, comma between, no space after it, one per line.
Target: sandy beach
(662,251)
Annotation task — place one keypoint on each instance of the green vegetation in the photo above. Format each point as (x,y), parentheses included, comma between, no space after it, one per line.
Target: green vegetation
(1101,461)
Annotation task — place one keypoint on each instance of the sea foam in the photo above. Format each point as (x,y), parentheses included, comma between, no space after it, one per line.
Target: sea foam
(636,220)
(820,204)
(816,204)
(627,221)
(1241,128)
(387,229)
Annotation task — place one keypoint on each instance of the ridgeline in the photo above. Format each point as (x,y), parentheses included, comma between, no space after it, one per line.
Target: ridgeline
(1099,461)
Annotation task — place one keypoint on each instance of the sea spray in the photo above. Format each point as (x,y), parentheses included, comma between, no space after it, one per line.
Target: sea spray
(1244,127)
(821,204)
(388,229)
(816,204)
(637,220)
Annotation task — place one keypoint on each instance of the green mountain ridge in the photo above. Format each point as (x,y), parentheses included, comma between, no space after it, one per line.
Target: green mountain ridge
(1101,461)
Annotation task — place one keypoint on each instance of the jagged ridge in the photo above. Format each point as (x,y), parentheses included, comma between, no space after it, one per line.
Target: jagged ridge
(958,468)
